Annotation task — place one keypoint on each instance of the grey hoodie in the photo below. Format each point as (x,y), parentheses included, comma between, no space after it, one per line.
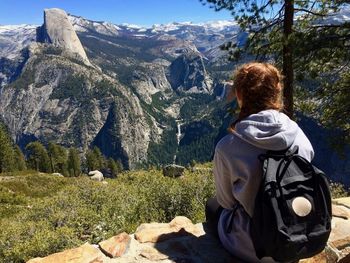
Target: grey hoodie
(238,172)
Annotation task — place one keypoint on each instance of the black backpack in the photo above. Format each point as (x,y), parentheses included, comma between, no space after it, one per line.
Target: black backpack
(276,229)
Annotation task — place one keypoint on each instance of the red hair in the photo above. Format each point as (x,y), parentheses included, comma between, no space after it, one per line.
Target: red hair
(260,86)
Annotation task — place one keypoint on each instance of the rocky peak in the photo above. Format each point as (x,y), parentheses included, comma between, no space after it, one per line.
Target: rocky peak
(187,73)
(58,30)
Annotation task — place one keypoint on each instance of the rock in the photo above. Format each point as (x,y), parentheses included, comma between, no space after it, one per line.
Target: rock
(338,247)
(82,254)
(153,254)
(344,201)
(156,232)
(340,229)
(58,31)
(340,211)
(320,258)
(115,246)
(173,170)
(182,241)
(58,174)
(96,175)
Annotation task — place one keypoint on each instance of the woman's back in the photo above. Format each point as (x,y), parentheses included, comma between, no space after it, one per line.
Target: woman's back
(260,126)
(238,171)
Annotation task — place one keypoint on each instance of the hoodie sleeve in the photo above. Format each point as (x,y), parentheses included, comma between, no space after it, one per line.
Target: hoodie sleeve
(224,180)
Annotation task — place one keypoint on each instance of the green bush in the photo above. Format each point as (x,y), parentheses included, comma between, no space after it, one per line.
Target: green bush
(61,213)
(338,190)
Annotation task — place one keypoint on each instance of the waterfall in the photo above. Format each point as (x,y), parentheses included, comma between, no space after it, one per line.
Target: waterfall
(222,95)
(178,137)
(178,134)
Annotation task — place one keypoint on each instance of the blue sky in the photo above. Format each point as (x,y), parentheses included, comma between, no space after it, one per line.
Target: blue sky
(141,12)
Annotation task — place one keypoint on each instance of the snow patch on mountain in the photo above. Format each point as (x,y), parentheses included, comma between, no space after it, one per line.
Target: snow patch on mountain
(13,38)
(337,18)
(81,24)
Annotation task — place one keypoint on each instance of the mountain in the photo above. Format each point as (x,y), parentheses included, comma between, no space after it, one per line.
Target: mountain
(144,95)
(121,87)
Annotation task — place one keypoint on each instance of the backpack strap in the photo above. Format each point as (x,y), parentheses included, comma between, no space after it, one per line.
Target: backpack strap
(279,154)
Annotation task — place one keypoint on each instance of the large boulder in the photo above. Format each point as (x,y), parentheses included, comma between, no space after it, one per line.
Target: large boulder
(173,170)
(96,175)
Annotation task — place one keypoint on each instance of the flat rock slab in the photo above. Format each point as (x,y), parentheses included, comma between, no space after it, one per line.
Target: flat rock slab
(82,254)
(157,232)
(345,201)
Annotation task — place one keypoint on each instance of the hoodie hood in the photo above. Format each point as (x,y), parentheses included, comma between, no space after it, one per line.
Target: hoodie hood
(269,129)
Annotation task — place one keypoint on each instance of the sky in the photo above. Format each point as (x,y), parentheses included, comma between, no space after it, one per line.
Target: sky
(140,12)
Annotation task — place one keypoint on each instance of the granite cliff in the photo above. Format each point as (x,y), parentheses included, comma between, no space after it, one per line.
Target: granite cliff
(58,31)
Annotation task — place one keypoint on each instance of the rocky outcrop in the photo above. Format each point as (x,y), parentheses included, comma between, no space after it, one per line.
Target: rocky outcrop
(188,73)
(177,241)
(58,30)
(182,241)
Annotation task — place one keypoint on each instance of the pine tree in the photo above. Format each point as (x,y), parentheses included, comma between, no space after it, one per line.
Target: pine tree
(291,33)
(38,159)
(6,151)
(74,166)
(113,167)
(19,159)
(58,158)
(95,159)
(120,166)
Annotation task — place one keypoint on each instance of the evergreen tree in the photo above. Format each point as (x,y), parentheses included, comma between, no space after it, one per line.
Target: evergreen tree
(74,162)
(293,34)
(113,167)
(120,166)
(6,152)
(38,159)
(58,158)
(19,159)
(95,159)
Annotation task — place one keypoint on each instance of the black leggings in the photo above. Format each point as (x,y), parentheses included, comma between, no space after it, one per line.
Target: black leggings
(212,214)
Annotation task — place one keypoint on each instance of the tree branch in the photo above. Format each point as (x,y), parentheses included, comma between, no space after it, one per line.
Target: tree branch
(309,12)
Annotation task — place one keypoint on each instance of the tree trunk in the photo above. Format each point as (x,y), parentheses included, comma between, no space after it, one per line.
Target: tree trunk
(288,57)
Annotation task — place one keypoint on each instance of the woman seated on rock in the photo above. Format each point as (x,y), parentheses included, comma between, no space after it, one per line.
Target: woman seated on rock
(260,126)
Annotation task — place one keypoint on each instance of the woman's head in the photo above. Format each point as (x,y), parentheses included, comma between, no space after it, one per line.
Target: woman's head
(258,86)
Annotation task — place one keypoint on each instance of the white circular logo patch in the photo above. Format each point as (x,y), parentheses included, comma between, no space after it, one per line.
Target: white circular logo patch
(301,206)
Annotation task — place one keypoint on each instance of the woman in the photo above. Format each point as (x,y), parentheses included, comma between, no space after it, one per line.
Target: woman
(261,126)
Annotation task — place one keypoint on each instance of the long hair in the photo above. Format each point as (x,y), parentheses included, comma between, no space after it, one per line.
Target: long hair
(260,86)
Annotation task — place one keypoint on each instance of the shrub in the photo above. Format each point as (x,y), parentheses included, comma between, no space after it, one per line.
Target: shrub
(70,211)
